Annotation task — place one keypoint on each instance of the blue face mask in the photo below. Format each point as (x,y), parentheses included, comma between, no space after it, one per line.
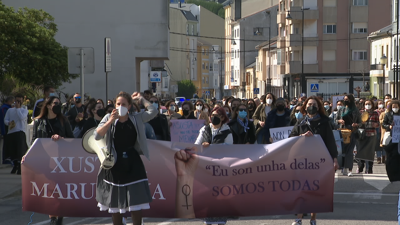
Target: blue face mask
(155,105)
(326,107)
(298,115)
(242,114)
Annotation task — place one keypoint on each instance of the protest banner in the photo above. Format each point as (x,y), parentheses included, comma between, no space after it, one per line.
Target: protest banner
(185,130)
(280,133)
(291,176)
(396,129)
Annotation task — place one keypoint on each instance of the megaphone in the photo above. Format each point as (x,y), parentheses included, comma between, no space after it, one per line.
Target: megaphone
(107,158)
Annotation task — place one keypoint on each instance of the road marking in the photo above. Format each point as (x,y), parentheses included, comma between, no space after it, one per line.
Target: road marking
(336,177)
(101,220)
(168,222)
(80,221)
(366,194)
(44,222)
(378,181)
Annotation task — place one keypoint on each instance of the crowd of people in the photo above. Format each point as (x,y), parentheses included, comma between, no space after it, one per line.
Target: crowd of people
(365,125)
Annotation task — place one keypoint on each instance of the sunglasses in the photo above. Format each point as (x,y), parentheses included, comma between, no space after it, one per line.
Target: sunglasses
(199,105)
(79,97)
(242,110)
(153,102)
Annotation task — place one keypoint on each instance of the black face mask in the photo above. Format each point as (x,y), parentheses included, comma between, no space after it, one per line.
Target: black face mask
(215,120)
(280,107)
(312,110)
(78,100)
(251,106)
(233,109)
(56,109)
(346,103)
(100,112)
(185,112)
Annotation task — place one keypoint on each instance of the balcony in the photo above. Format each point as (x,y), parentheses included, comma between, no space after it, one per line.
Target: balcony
(311,68)
(280,69)
(281,43)
(281,18)
(311,41)
(296,14)
(293,40)
(294,67)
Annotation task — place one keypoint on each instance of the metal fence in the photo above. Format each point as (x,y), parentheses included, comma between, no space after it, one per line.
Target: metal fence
(326,96)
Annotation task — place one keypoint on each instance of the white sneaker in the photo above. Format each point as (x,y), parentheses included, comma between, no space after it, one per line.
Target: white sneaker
(297,222)
(350,174)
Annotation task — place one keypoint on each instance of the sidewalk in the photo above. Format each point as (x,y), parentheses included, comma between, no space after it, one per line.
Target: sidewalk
(10,183)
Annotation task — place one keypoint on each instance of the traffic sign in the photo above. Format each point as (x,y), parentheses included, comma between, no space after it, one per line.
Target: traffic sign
(314,87)
(155,76)
(107,54)
(256,91)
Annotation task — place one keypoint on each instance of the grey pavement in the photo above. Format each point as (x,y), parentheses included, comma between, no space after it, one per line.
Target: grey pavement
(363,199)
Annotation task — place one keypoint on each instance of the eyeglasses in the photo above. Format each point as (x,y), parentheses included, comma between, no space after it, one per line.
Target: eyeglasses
(242,110)
(153,102)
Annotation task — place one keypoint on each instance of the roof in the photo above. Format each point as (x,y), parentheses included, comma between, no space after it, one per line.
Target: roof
(184,6)
(386,31)
(189,15)
(266,43)
(203,42)
(251,65)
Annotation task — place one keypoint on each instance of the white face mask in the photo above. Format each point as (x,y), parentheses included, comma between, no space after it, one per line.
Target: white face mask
(122,111)
(229,104)
(381,106)
(339,107)
(395,110)
(172,108)
(223,102)
(368,106)
(205,110)
(269,101)
(199,107)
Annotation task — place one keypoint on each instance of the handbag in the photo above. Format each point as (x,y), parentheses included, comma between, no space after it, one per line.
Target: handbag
(386,138)
(360,134)
(346,135)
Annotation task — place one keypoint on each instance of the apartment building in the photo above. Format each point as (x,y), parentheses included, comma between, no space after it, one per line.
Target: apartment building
(322,44)
(242,35)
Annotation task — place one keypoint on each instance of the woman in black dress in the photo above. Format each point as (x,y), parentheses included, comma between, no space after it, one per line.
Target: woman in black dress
(349,117)
(51,124)
(125,187)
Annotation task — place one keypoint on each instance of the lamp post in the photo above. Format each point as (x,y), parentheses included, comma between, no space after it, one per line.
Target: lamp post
(302,78)
(383,63)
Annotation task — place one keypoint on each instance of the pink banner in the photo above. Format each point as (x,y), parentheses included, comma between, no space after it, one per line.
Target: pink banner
(291,176)
(185,130)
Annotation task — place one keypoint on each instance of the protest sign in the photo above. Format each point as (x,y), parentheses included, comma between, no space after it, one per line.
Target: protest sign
(280,133)
(396,129)
(185,130)
(291,176)
(336,98)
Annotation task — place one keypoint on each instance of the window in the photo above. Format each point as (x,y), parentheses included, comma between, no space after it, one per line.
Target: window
(329,3)
(330,29)
(206,80)
(360,2)
(238,30)
(232,71)
(202,79)
(359,27)
(278,57)
(232,53)
(192,29)
(206,66)
(359,55)
(211,67)
(203,66)
(257,65)
(187,29)
(202,51)
(329,55)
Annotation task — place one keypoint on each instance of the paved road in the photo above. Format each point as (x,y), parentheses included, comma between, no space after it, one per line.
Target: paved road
(365,199)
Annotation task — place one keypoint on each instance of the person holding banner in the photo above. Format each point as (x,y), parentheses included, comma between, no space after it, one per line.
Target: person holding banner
(349,118)
(125,187)
(198,112)
(366,145)
(387,124)
(315,122)
(51,124)
(295,114)
(279,117)
(243,130)
(260,115)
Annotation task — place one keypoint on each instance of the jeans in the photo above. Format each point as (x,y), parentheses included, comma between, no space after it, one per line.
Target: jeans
(150,134)
(379,154)
(260,136)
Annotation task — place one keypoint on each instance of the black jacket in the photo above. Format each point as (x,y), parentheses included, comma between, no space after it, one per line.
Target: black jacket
(392,162)
(162,119)
(388,120)
(319,126)
(238,134)
(219,138)
(89,123)
(40,130)
(271,122)
(72,113)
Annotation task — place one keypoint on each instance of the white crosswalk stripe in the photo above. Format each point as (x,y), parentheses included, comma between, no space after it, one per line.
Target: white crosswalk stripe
(378,181)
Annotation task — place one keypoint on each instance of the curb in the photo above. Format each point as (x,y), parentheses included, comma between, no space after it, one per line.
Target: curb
(2,166)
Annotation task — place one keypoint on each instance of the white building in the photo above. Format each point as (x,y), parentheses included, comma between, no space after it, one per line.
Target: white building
(139,31)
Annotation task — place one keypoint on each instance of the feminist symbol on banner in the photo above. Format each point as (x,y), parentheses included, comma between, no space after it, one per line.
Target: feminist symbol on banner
(186,192)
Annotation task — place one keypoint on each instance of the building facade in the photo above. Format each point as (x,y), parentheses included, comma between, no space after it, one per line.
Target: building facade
(323,44)
(138,32)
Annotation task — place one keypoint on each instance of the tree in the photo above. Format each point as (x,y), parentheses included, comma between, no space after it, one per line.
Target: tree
(186,89)
(214,7)
(28,49)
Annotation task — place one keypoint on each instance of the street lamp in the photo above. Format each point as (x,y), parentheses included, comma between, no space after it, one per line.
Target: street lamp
(303,80)
(383,63)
